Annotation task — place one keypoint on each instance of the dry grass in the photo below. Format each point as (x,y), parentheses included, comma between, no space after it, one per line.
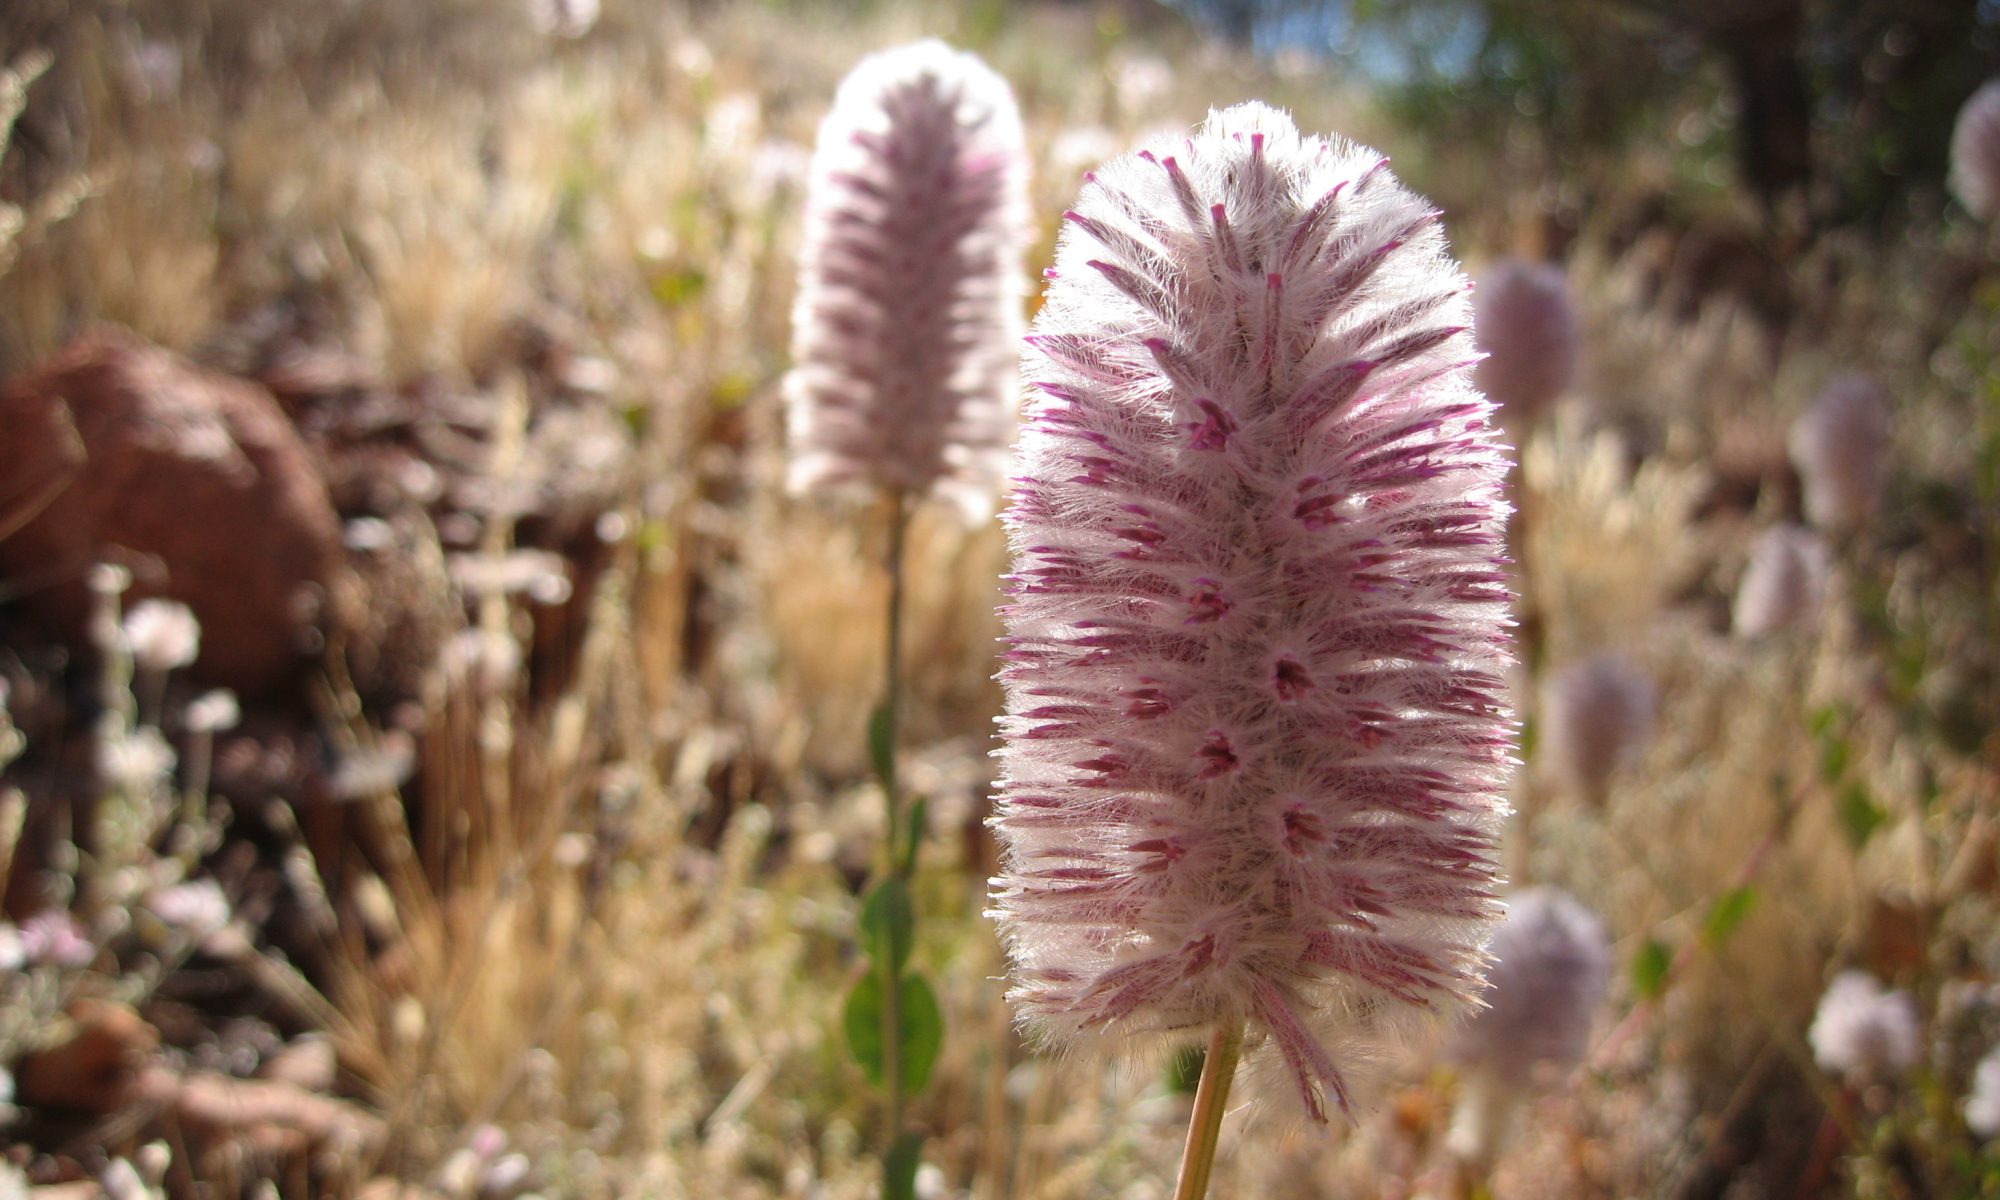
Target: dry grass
(610,920)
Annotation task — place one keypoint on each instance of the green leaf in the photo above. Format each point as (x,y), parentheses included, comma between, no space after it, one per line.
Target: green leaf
(914,836)
(899,1167)
(888,924)
(1649,969)
(882,747)
(1834,754)
(921,1025)
(1727,914)
(923,1032)
(1184,1070)
(675,287)
(1859,815)
(862,1020)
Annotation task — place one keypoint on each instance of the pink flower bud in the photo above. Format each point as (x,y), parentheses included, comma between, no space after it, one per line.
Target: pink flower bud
(1551,966)
(1523,321)
(1596,716)
(1785,583)
(910,286)
(1975,153)
(1256,736)
(1840,446)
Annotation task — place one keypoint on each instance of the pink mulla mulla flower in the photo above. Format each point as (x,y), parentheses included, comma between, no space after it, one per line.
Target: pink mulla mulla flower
(1975,153)
(1596,716)
(1784,584)
(909,301)
(1840,446)
(1551,967)
(1256,741)
(1523,321)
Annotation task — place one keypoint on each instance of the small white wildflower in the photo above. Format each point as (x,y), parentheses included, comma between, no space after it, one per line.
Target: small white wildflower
(213,712)
(121,1181)
(1862,1032)
(134,763)
(52,938)
(162,635)
(1982,1105)
(198,906)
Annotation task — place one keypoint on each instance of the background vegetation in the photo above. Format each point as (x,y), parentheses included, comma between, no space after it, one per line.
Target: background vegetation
(550,865)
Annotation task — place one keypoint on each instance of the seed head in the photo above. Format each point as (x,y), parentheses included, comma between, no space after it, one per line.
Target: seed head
(1255,737)
(1596,716)
(910,287)
(1523,321)
(1785,583)
(1862,1032)
(1975,153)
(1840,447)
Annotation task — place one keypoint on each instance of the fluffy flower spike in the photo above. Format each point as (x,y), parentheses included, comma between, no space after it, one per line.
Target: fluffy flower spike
(909,301)
(1840,447)
(1785,583)
(1255,737)
(1551,967)
(1597,716)
(1975,153)
(1523,320)
(1862,1032)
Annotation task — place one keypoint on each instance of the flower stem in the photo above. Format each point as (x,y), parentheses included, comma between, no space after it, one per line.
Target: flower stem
(1211,1097)
(899,525)
(892,980)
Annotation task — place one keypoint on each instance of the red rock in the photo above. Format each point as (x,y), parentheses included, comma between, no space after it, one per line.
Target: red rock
(96,1067)
(194,480)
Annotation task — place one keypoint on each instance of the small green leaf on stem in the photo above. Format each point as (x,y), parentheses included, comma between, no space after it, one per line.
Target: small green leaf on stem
(1860,816)
(923,1032)
(1726,915)
(1649,969)
(922,1029)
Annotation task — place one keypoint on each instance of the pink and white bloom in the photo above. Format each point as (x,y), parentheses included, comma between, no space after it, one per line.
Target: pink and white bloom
(1256,740)
(1551,968)
(1863,1032)
(1975,153)
(1840,447)
(910,287)
(1982,1104)
(1784,584)
(1596,717)
(1523,320)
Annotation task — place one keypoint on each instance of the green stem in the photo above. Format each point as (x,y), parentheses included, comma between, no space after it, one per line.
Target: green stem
(899,523)
(1211,1097)
(892,978)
